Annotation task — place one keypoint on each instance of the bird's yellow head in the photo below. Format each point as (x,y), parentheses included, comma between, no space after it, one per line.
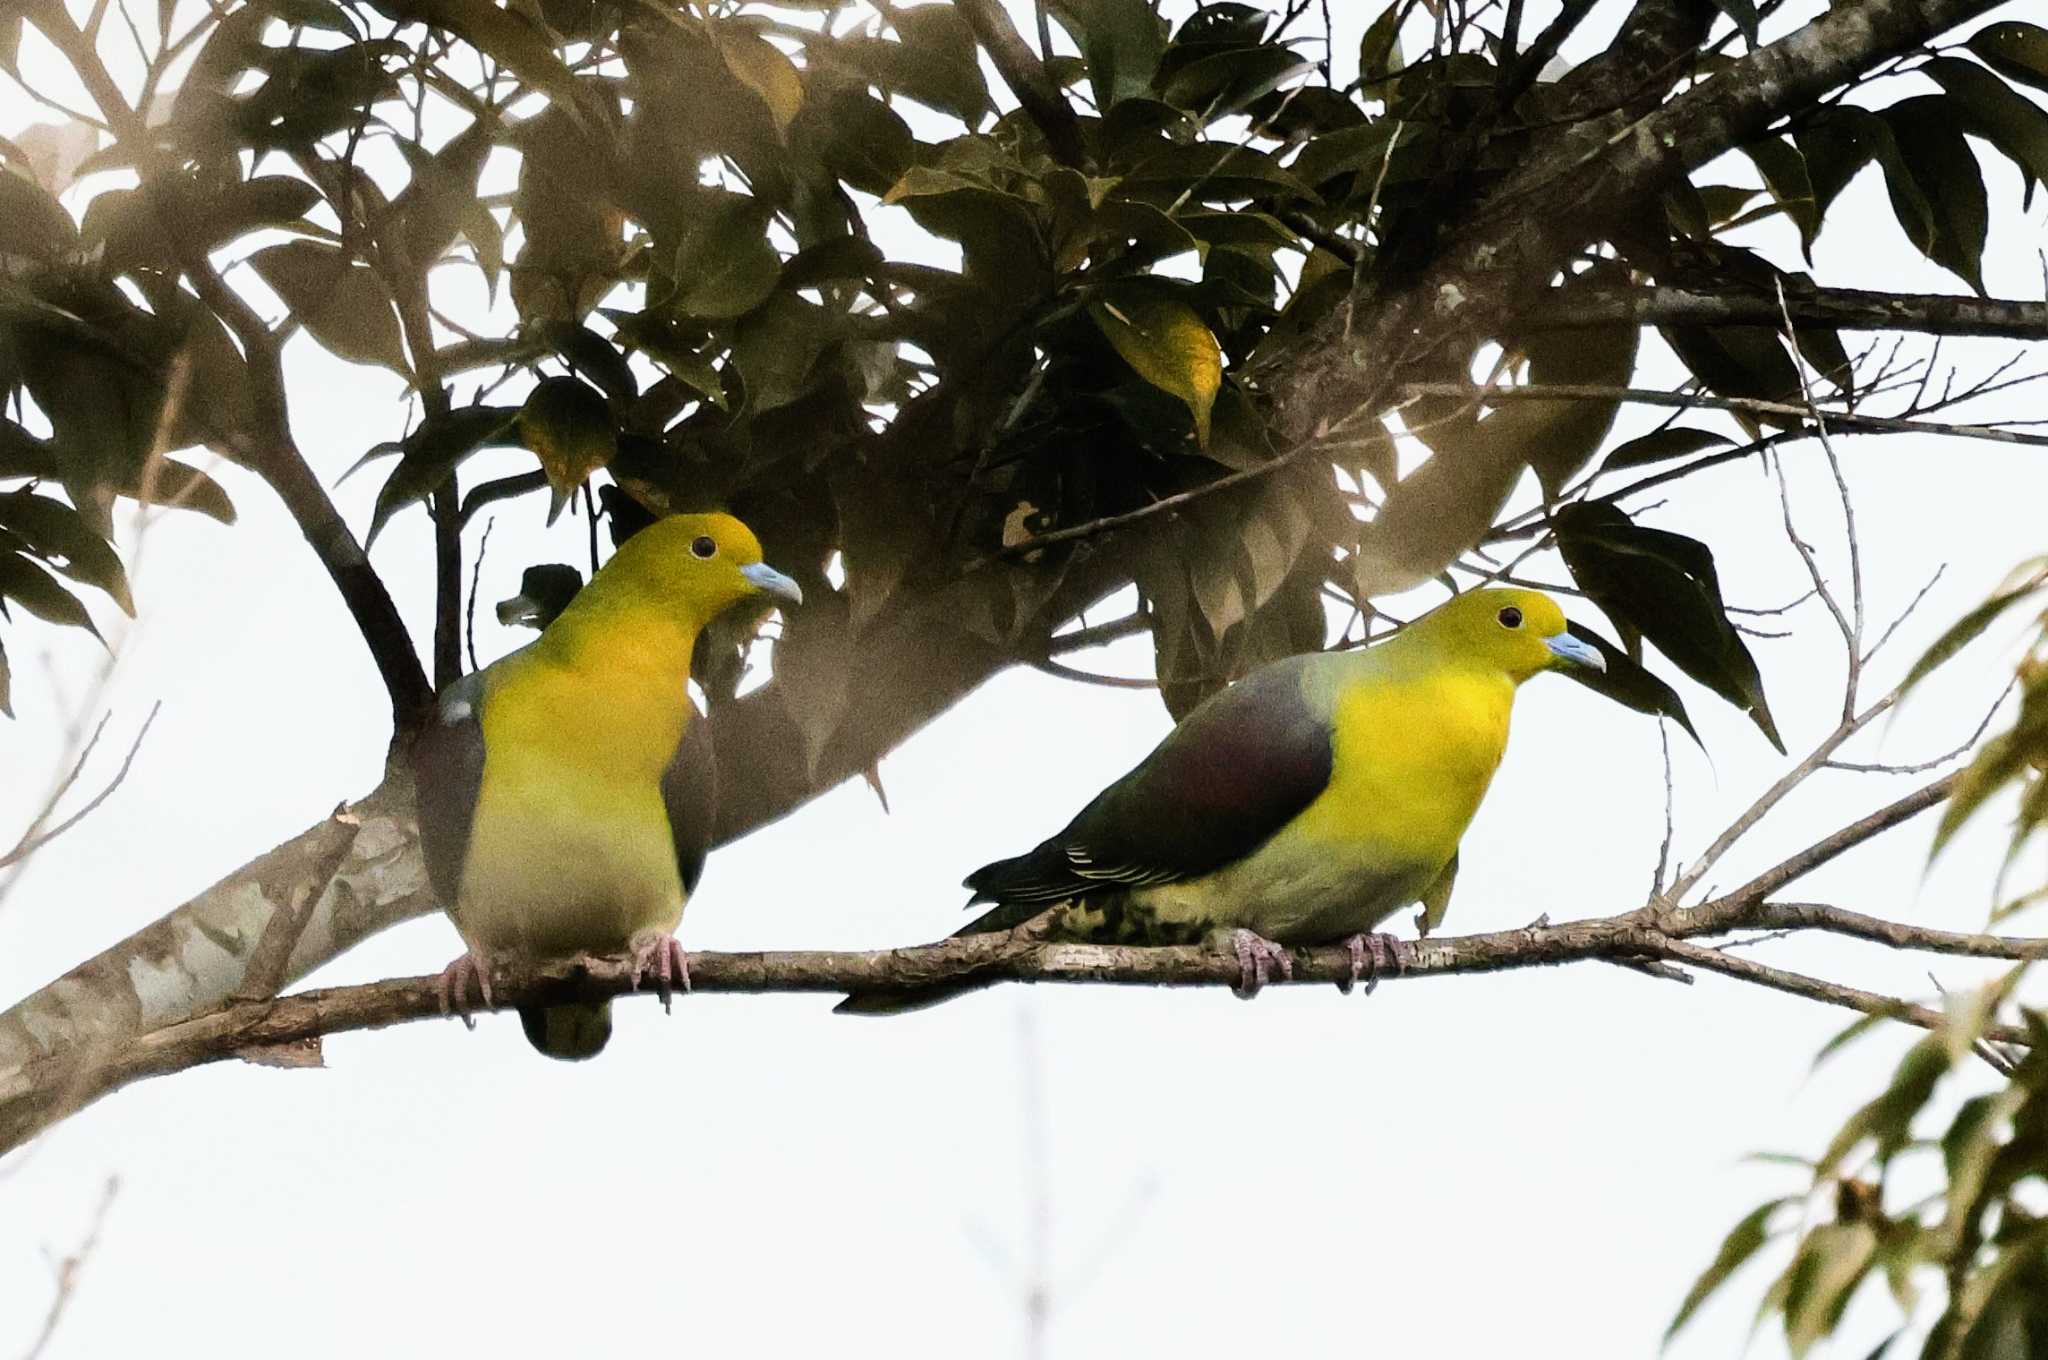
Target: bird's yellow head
(1520,632)
(697,565)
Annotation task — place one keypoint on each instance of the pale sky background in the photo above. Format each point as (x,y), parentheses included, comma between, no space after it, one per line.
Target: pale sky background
(1461,1166)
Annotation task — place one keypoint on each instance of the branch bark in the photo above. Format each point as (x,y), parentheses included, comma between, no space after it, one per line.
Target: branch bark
(1493,269)
(1027,78)
(48,1090)
(1840,308)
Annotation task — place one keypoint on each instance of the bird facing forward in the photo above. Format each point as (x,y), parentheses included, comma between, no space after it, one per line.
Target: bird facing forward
(567,791)
(1301,806)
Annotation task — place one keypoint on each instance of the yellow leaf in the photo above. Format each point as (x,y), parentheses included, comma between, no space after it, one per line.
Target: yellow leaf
(760,66)
(1169,347)
(567,425)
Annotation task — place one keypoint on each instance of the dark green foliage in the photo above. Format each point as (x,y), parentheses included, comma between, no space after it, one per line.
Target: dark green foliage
(688,245)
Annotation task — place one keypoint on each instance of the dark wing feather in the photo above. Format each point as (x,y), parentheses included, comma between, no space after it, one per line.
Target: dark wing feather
(1241,766)
(689,790)
(448,773)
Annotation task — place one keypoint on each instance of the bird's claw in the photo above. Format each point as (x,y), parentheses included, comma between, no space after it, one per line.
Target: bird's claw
(453,986)
(661,954)
(1256,955)
(1371,953)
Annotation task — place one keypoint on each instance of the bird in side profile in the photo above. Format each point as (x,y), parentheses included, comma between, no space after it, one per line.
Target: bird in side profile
(1303,805)
(567,791)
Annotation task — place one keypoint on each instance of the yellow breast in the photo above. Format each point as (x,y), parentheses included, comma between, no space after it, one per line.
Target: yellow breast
(1413,756)
(571,847)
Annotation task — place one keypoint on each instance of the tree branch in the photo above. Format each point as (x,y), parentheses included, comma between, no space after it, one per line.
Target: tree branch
(1493,269)
(1849,421)
(1026,76)
(273,453)
(47,1091)
(1840,308)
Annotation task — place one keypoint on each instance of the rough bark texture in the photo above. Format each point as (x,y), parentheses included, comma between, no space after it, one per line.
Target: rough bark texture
(285,1031)
(1522,233)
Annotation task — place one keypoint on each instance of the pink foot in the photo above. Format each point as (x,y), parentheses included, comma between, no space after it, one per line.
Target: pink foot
(453,987)
(1256,955)
(659,953)
(1371,954)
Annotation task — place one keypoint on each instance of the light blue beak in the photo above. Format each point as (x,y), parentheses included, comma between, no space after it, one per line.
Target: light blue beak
(769,581)
(1576,651)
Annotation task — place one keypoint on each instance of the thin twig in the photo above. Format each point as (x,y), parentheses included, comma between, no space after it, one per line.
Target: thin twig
(71,1267)
(476,578)
(34,840)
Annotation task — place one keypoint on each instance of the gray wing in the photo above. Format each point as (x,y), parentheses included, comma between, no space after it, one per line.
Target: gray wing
(689,790)
(448,774)
(1237,769)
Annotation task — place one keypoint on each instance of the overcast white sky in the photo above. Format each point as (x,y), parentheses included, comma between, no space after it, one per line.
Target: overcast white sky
(1453,1166)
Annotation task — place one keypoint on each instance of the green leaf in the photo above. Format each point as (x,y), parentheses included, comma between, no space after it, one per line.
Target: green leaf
(1444,507)
(1993,110)
(1744,1240)
(1887,1119)
(860,139)
(441,195)
(6,680)
(512,39)
(1831,1263)
(435,450)
(35,590)
(1664,586)
(1169,346)
(814,662)
(1856,1029)
(568,426)
(1571,432)
(1222,83)
(776,349)
(935,61)
(170,483)
(24,455)
(761,66)
(1783,169)
(1379,51)
(598,360)
(341,302)
(1945,212)
(725,265)
(1208,172)
(1120,40)
(32,222)
(2015,50)
(61,537)
(1835,144)
(1627,683)
(838,260)
(1739,361)
(2020,585)
(1673,441)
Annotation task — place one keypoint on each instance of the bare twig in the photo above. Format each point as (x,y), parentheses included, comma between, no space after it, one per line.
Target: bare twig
(1843,420)
(70,1268)
(35,838)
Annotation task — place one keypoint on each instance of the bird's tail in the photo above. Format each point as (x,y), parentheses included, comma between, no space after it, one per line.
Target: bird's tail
(571,1033)
(1004,916)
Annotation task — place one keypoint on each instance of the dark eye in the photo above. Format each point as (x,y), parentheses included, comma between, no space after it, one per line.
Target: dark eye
(706,546)
(1510,617)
